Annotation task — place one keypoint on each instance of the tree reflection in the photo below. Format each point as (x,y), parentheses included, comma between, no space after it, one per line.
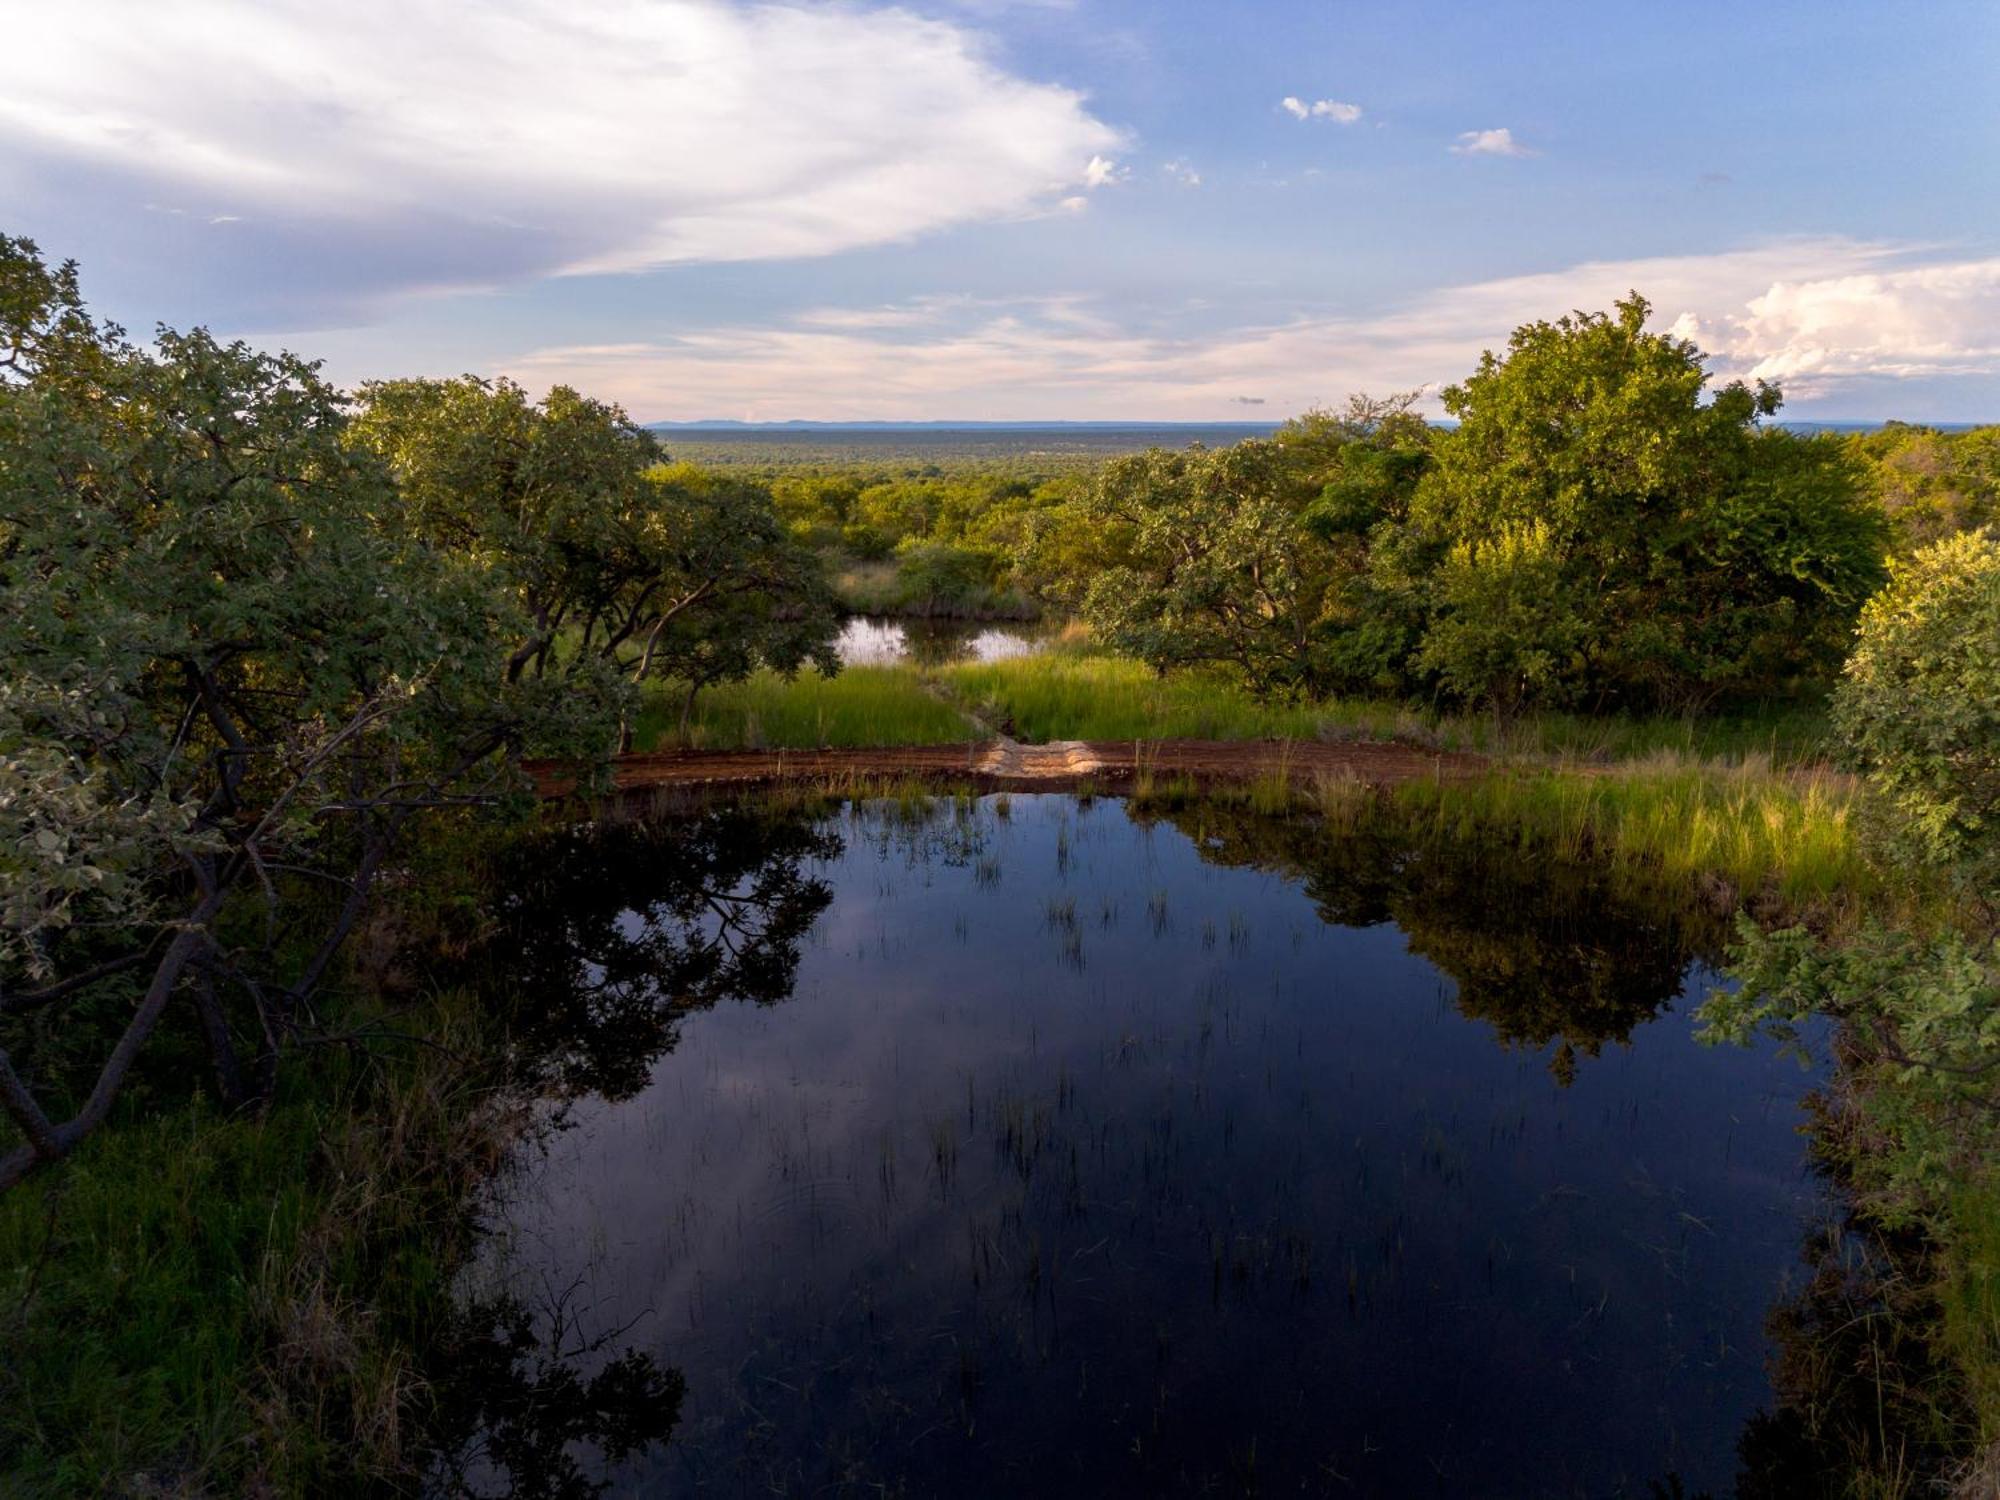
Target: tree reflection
(1867,1399)
(1543,951)
(514,1405)
(604,936)
(607,934)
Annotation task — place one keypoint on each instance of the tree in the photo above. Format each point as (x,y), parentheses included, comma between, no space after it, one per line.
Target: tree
(1508,630)
(1700,553)
(230,690)
(735,591)
(1256,558)
(1931,483)
(620,567)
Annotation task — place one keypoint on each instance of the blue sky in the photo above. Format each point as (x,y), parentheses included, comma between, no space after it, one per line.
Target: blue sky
(1147,209)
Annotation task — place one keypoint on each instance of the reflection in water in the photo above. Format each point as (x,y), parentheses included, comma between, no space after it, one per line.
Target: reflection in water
(1542,951)
(1106,1157)
(866,642)
(513,1410)
(608,934)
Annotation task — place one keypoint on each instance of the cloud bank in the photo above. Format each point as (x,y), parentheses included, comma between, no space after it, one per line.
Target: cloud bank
(1835,320)
(531,137)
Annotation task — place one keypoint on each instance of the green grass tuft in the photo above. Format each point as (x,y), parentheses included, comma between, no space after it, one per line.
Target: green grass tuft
(862,706)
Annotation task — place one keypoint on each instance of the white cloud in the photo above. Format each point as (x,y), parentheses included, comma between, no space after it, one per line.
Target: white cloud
(1320,109)
(546,135)
(1499,142)
(1182,172)
(1829,317)
(1101,171)
(1075,204)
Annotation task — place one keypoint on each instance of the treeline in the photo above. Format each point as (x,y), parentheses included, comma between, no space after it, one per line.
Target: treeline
(1598,530)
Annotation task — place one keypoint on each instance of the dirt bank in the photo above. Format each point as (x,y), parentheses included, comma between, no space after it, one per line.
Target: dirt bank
(1108,765)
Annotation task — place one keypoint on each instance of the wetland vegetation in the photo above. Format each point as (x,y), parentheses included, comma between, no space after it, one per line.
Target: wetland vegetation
(373,1127)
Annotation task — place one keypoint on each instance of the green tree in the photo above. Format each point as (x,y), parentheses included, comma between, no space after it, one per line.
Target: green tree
(1258,558)
(619,566)
(1702,554)
(1508,631)
(230,690)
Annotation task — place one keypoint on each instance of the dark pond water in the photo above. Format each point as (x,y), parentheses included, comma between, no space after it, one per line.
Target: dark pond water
(865,641)
(1063,1152)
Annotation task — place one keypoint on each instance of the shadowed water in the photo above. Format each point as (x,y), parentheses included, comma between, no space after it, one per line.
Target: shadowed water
(1059,1151)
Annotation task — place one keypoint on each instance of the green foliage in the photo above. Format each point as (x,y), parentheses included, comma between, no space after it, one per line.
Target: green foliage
(231,684)
(618,568)
(1919,704)
(1254,559)
(1508,630)
(1932,484)
(1696,554)
(1929,1007)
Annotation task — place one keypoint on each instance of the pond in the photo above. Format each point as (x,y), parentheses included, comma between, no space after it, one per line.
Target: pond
(1032,1146)
(866,641)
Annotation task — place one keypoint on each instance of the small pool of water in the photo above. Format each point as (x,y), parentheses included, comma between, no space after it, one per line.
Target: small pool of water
(1038,1148)
(865,641)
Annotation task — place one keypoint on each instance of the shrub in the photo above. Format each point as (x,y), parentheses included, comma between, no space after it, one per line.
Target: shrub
(1919,705)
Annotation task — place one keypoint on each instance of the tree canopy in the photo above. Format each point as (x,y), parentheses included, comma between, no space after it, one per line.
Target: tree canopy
(1601,531)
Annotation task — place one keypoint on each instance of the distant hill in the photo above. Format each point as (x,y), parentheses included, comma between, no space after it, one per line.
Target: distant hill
(727,424)
(805,425)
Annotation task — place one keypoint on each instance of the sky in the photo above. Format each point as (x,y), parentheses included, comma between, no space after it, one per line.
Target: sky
(1147,210)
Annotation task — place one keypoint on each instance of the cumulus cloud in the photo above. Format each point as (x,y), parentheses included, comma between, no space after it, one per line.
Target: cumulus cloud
(1320,109)
(1183,172)
(466,145)
(1499,142)
(1833,319)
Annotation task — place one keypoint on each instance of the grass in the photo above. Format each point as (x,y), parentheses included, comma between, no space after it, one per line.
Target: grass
(862,706)
(1760,830)
(1077,695)
(1971,1298)
(1787,838)
(196,1303)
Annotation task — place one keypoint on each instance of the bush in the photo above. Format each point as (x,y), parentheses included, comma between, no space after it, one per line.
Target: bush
(1919,705)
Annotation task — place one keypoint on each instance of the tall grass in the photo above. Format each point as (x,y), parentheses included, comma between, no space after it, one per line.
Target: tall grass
(1061,696)
(1784,840)
(862,706)
(201,1303)
(1076,695)
(1759,829)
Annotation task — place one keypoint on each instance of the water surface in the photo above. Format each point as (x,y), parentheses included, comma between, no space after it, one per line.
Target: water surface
(866,641)
(1072,1152)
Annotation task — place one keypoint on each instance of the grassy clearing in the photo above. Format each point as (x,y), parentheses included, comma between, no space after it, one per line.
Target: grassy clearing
(888,705)
(1075,695)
